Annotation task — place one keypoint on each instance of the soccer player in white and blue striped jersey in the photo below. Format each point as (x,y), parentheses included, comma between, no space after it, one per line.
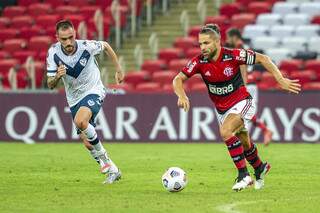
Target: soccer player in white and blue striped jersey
(74,62)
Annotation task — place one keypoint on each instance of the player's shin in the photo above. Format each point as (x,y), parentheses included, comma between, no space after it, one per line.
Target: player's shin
(252,156)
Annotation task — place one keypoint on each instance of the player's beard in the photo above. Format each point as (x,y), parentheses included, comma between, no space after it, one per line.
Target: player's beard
(212,54)
(69,49)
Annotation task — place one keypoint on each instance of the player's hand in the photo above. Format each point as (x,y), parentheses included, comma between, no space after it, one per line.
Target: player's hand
(290,85)
(119,76)
(183,102)
(61,71)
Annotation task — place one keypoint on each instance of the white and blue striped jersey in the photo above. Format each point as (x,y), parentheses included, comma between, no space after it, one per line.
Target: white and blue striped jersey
(82,72)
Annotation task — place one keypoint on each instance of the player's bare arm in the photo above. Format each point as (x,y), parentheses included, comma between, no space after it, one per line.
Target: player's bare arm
(183,100)
(244,74)
(285,83)
(53,81)
(119,75)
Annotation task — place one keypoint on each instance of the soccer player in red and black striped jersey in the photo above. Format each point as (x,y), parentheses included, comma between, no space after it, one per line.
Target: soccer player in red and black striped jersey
(234,40)
(219,68)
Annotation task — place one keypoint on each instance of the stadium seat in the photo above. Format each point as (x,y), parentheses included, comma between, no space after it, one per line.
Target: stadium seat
(6,64)
(257,7)
(42,56)
(148,87)
(28,32)
(308,31)
(75,19)
(104,3)
(39,9)
(15,44)
(163,77)
(4,22)
(23,78)
(229,9)
(167,88)
(22,21)
(39,43)
(93,30)
(218,19)
(169,54)
(291,65)
(79,3)
(178,64)
(154,65)
(295,44)
(314,44)
(55,3)
(123,15)
(193,52)
(88,11)
(40,71)
(12,11)
(269,19)
(310,8)
(47,20)
(278,54)
(252,31)
(296,19)
(312,65)
(243,19)
(268,79)
(281,31)
(285,7)
(304,76)
(311,86)
(23,55)
(185,43)
(4,54)
(315,19)
(194,31)
(263,43)
(137,77)
(124,86)
(66,10)
(8,33)
(27,2)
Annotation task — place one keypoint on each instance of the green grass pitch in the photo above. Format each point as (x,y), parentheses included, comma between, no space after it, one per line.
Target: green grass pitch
(64,178)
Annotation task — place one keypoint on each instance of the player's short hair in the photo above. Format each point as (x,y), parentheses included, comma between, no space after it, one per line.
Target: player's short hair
(211,29)
(63,25)
(234,32)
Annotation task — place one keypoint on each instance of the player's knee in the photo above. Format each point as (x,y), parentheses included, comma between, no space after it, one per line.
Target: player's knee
(225,133)
(81,124)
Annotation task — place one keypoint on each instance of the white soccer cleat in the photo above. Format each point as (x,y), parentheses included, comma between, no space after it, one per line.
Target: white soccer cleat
(112,177)
(259,183)
(243,183)
(104,161)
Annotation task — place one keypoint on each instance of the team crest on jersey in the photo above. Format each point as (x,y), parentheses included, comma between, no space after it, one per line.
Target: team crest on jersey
(91,102)
(228,71)
(83,61)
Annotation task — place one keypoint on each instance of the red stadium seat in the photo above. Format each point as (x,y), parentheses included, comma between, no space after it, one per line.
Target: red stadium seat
(193,52)
(137,77)
(258,7)
(40,73)
(6,64)
(23,55)
(40,43)
(27,2)
(313,65)
(4,54)
(47,20)
(178,64)
(4,22)
(148,87)
(241,20)
(194,31)
(185,43)
(124,86)
(255,76)
(22,21)
(66,10)
(55,3)
(304,76)
(169,54)
(218,19)
(167,88)
(12,11)
(15,44)
(199,87)
(291,65)
(79,3)
(88,11)
(104,3)
(230,9)
(23,78)
(42,56)
(75,19)
(163,77)
(268,79)
(93,30)
(123,15)
(153,65)
(315,19)
(311,86)
(39,9)
(8,33)
(28,32)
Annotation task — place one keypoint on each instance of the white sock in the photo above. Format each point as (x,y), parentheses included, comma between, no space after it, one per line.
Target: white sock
(94,155)
(90,132)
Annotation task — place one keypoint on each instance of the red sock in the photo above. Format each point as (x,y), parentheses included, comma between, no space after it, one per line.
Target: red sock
(252,156)
(259,123)
(236,152)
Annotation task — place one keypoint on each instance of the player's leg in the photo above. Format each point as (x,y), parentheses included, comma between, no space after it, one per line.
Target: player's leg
(231,124)
(90,148)
(267,133)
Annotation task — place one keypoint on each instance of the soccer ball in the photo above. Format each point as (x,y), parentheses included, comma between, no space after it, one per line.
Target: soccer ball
(174,179)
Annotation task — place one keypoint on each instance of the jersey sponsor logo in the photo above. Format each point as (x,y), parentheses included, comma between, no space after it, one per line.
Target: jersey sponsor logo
(228,71)
(227,57)
(221,90)
(91,102)
(83,61)
(190,66)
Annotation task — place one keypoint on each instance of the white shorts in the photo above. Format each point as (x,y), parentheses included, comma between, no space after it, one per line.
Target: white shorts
(246,108)
(253,90)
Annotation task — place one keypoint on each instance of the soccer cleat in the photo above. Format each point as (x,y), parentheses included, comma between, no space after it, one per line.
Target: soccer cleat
(260,174)
(242,183)
(105,162)
(267,137)
(112,177)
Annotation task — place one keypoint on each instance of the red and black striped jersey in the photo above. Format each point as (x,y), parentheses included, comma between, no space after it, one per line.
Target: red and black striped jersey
(223,77)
